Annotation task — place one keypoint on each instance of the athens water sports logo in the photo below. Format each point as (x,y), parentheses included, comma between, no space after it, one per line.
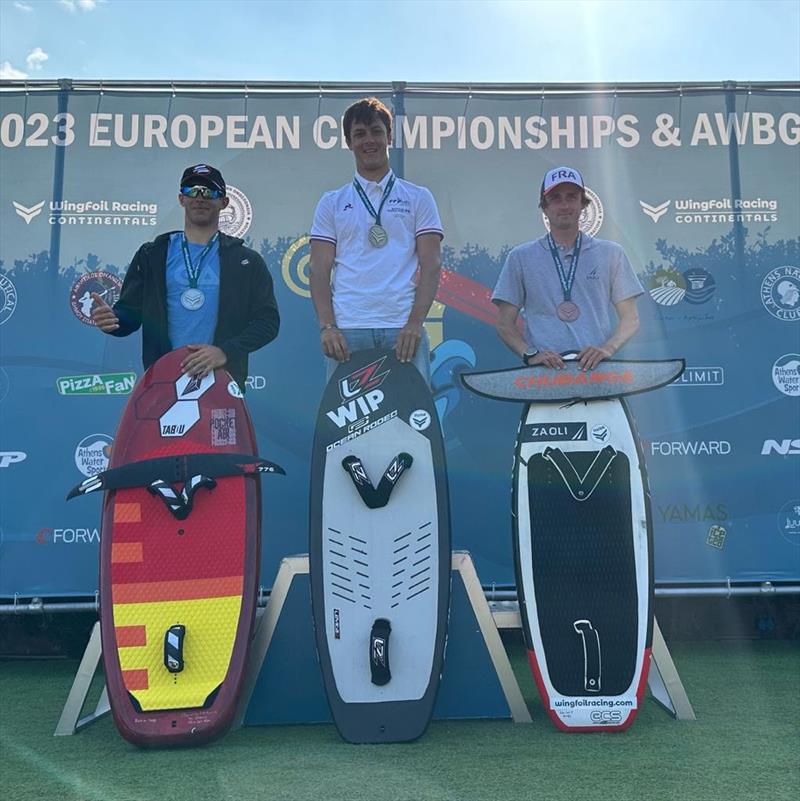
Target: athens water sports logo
(786,374)
(591,218)
(105,284)
(235,220)
(92,454)
(780,293)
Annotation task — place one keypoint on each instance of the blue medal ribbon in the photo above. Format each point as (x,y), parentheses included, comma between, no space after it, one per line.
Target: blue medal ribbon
(566,278)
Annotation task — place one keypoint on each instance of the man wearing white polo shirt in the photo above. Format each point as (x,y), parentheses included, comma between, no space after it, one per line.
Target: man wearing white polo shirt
(375,251)
(578,293)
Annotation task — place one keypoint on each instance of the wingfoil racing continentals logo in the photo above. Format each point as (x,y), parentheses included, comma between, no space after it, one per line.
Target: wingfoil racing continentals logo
(235,220)
(105,284)
(361,398)
(591,219)
(91,212)
(723,210)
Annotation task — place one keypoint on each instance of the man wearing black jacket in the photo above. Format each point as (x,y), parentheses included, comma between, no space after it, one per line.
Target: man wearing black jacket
(197,287)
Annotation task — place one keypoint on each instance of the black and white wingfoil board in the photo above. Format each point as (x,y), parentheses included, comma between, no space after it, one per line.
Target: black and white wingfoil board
(582,536)
(379,548)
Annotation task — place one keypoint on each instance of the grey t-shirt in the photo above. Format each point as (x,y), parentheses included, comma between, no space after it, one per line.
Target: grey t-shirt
(530,282)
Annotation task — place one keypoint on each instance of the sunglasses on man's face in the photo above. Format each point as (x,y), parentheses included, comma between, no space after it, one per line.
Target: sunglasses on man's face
(204,192)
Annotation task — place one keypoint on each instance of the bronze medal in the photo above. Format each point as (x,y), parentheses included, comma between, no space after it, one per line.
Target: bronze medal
(568,311)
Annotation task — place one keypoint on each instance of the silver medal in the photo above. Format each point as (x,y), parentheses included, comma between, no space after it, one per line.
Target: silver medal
(192,298)
(377,236)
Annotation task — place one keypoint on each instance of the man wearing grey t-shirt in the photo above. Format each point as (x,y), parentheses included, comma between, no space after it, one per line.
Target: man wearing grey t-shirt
(577,293)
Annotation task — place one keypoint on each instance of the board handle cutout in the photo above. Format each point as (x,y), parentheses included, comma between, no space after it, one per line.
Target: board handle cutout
(591,655)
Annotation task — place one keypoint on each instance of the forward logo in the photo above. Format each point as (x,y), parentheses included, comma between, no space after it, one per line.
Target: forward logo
(26,213)
(655,213)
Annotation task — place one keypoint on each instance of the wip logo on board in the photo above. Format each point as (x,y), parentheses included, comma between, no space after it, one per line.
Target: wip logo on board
(786,374)
(28,212)
(591,219)
(780,293)
(363,380)
(96,384)
(236,218)
(105,284)
(360,394)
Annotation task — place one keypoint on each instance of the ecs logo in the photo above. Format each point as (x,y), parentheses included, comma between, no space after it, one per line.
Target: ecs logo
(607,718)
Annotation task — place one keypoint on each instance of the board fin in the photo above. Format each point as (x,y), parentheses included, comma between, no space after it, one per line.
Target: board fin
(379,651)
(173,469)
(376,498)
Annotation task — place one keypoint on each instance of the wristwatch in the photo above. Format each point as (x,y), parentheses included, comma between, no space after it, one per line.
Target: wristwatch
(529,354)
(327,327)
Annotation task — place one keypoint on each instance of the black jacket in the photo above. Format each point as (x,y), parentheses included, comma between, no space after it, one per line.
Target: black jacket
(247,318)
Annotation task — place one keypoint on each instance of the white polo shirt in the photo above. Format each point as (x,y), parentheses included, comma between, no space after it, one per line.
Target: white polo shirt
(374,287)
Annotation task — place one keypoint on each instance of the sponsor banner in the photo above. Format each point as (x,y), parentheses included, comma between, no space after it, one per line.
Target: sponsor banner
(96,384)
(713,240)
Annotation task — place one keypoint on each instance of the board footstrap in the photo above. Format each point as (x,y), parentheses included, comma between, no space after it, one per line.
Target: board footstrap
(176,469)
(376,498)
(379,652)
(581,487)
(180,503)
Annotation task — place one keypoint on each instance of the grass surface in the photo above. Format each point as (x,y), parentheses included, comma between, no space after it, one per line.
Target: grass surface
(744,746)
